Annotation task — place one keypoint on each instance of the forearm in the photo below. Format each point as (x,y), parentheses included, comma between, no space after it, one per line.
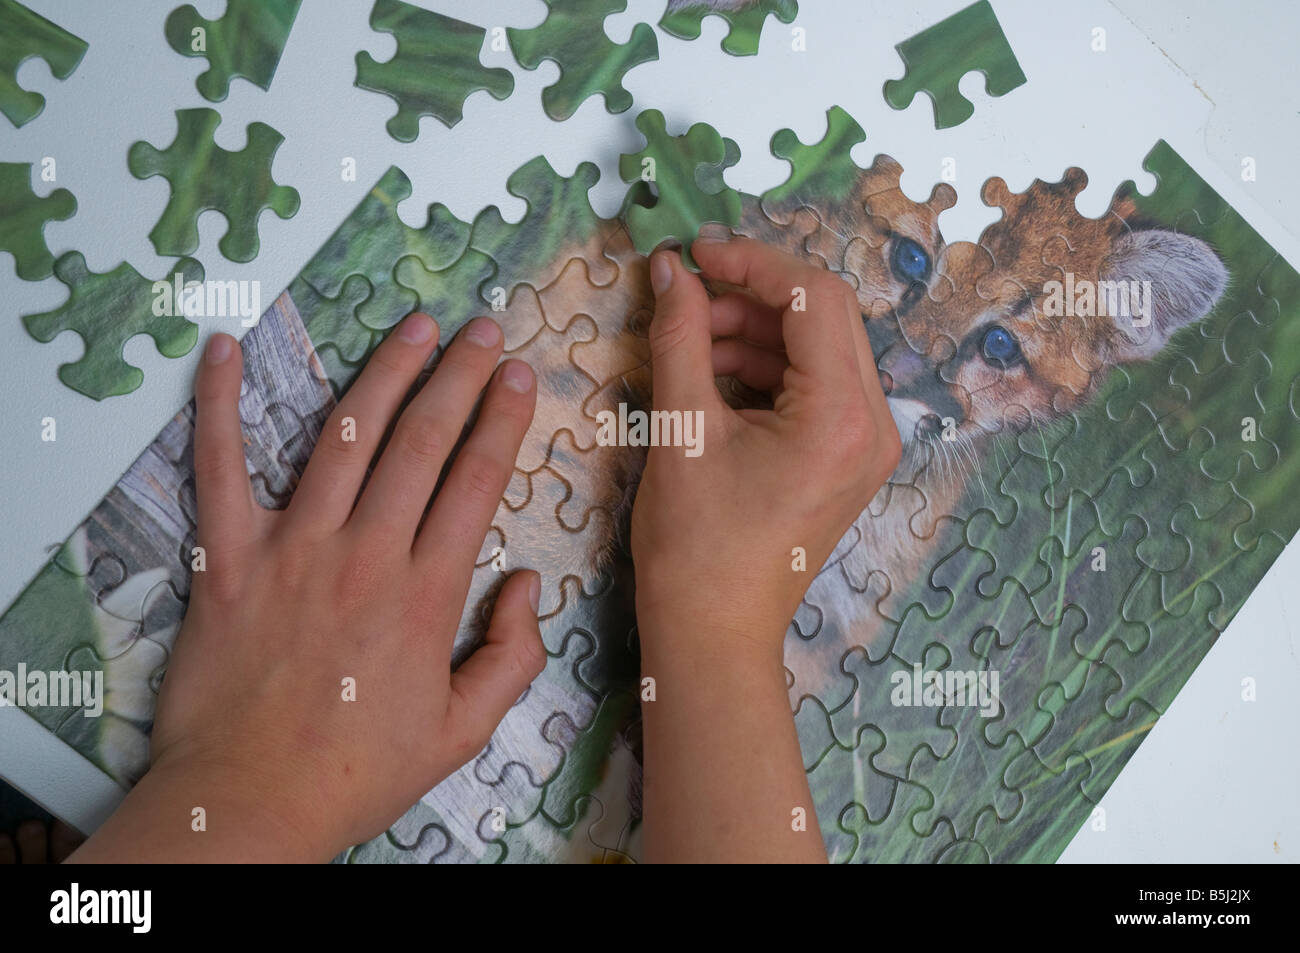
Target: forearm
(724,778)
(156,823)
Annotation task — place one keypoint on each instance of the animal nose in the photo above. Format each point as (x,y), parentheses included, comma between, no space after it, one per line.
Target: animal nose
(886,381)
(929,425)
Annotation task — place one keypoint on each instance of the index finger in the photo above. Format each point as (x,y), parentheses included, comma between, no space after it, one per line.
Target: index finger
(818,336)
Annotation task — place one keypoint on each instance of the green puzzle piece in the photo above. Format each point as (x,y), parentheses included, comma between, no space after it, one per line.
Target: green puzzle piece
(573,37)
(205,176)
(936,58)
(821,169)
(246,41)
(109,309)
(23,215)
(683,18)
(673,165)
(435,69)
(24,34)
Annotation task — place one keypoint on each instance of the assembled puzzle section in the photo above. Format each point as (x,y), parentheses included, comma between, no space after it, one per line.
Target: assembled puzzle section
(113,597)
(246,41)
(435,69)
(970,40)
(24,34)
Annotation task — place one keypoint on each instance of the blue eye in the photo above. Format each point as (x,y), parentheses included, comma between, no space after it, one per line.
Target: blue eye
(909,261)
(1000,347)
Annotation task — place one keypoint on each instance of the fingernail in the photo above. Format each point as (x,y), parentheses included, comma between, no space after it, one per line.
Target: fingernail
(483,332)
(535,593)
(218,349)
(706,238)
(661,273)
(416,329)
(518,376)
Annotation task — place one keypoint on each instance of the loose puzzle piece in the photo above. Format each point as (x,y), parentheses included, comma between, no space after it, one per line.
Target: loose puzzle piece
(671,165)
(106,310)
(205,176)
(435,69)
(744,17)
(573,37)
(936,58)
(23,215)
(246,41)
(24,34)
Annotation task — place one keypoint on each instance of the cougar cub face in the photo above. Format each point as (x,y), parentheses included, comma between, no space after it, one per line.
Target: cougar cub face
(1022,328)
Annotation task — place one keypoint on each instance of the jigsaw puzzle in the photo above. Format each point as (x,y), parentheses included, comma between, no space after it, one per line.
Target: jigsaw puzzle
(23,215)
(24,34)
(107,310)
(246,41)
(435,69)
(745,19)
(573,38)
(970,40)
(1100,445)
(205,176)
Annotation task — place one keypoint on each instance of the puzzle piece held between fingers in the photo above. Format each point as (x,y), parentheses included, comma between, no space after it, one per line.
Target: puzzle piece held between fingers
(672,166)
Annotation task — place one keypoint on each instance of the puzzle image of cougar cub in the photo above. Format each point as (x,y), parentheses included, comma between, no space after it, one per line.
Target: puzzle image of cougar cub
(972,340)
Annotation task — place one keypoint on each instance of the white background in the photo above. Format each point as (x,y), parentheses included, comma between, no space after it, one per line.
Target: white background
(1217,778)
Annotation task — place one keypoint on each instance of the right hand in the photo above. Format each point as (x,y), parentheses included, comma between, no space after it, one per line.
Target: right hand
(713,536)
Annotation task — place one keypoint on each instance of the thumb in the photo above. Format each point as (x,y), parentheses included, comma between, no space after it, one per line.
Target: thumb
(681,345)
(491,680)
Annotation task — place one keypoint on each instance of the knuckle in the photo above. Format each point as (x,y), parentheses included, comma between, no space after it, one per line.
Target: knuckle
(483,474)
(667,333)
(530,659)
(420,437)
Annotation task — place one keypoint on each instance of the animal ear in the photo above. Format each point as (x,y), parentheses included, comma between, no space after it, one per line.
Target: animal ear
(1186,280)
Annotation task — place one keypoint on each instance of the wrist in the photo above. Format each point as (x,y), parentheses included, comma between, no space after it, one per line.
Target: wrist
(187,812)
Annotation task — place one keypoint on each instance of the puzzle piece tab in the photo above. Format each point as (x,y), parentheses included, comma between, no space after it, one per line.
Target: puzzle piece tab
(24,34)
(672,165)
(937,58)
(573,37)
(106,310)
(23,215)
(435,69)
(683,18)
(246,41)
(205,176)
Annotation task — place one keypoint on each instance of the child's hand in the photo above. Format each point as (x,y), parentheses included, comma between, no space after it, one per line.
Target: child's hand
(714,540)
(719,531)
(298,613)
